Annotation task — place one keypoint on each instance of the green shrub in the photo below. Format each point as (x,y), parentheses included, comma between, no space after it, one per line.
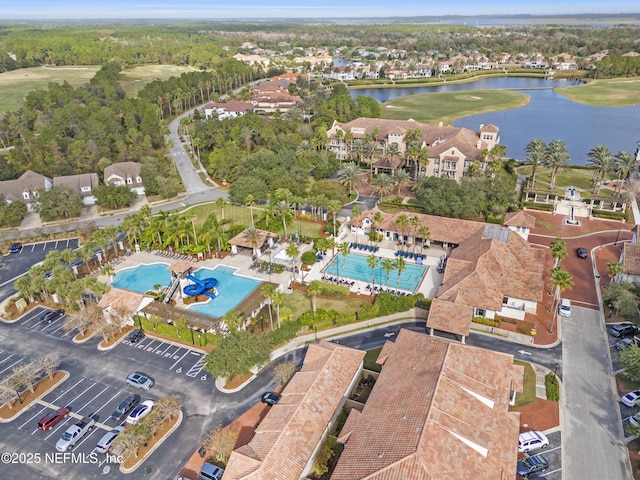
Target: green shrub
(492,322)
(545,207)
(552,387)
(324,319)
(287,332)
(309,257)
(333,290)
(611,215)
(168,330)
(386,304)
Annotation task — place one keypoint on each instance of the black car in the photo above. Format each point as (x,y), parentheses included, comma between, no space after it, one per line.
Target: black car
(623,330)
(270,398)
(51,315)
(15,248)
(125,407)
(582,252)
(135,336)
(532,466)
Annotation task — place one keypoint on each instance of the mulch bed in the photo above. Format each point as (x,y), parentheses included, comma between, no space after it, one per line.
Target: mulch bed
(236,381)
(540,415)
(634,456)
(28,397)
(158,436)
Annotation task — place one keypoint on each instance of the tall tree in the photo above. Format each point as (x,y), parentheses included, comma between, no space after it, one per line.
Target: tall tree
(558,249)
(556,157)
(603,161)
(535,150)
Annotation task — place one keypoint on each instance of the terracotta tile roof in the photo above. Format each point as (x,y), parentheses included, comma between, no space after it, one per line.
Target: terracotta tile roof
(439,410)
(122,300)
(230,106)
(388,162)
(631,258)
(489,128)
(520,219)
(483,270)
(450,317)
(441,229)
(286,439)
(181,266)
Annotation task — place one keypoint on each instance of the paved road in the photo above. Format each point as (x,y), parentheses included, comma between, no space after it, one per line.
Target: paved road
(593,438)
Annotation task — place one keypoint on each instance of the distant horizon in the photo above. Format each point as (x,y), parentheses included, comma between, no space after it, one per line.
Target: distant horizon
(57,10)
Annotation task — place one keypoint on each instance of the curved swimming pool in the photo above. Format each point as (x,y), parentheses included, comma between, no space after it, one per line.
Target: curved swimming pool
(143,277)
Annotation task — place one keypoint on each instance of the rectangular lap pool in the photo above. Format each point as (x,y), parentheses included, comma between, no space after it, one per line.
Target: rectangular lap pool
(357,268)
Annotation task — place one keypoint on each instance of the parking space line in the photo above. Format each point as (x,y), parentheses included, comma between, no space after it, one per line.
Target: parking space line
(67,391)
(31,419)
(10,355)
(142,345)
(87,436)
(173,354)
(552,449)
(196,369)
(61,324)
(78,411)
(149,348)
(106,403)
(2,371)
(553,471)
(155,350)
(165,350)
(178,361)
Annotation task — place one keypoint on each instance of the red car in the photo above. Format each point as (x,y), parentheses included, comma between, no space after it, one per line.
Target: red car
(52,418)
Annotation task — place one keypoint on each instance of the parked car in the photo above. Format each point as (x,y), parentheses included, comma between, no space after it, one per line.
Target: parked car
(140,380)
(209,471)
(623,330)
(626,342)
(442,264)
(631,399)
(15,247)
(140,411)
(564,308)
(128,404)
(532,440)
(51,419)
(635,419)
(270,398)
(135,336)
(107,439)
(74,433)
(532,465)
(51,315)
(582,252)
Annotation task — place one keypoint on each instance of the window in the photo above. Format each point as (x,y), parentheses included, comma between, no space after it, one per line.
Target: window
(479,312)
(436,171)
(436,161)
(138,180)
(129,181)
(85,189)
(25,195)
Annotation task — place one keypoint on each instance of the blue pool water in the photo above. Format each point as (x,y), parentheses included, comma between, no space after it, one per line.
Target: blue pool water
(232,290)
(143,277)
(356,268)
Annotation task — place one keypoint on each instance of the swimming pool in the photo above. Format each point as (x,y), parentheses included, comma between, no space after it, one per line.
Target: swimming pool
(143,277)
(232,290)
(356,268)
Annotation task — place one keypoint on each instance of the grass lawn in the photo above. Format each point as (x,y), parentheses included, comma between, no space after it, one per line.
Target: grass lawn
(242,215)
(614,92)
(570,177)
(299,303)
(625,385)
(370,360)
(445,107)
(16,84)
(529,392)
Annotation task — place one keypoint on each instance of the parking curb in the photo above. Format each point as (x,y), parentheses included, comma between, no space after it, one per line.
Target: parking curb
(38,399)
(115,343)
(160,441)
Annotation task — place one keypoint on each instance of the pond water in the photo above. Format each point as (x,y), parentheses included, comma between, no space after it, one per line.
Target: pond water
(548,115)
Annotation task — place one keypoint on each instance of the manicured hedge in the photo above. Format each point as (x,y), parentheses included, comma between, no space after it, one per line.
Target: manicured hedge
(552,387)
(168,330)
(611,215)
(492,322)
(545,207)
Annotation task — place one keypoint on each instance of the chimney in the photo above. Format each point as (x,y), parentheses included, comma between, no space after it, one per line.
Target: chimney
(481,126)
(479,144)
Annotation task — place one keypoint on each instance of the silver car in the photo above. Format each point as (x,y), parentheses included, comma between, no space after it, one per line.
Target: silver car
(140,380)
(107,439)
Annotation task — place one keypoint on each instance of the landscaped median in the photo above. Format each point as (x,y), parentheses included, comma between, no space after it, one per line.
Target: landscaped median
(9,411)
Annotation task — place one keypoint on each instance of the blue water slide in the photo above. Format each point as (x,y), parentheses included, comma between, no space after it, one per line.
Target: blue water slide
(200,286)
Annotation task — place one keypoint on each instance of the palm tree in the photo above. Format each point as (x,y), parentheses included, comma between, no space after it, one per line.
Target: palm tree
(400,264)
(356,211)
(252,234)
(387,266)
(283,208)
(402,222)
(562,280)
(221,203)
(277,298)
(292,252)
(373,262)
(233,319)
(382,184)
(603,161)
(424,233)
(558,249)
(556,157)
(626,166)
(535,150)
(414,223)
(250,202)
(313,290)
(109,271)
(349,174)
(334,207)
(267,292)
(614,268)
(400,177)
(344,248)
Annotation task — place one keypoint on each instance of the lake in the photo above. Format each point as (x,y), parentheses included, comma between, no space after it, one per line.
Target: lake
(548,115)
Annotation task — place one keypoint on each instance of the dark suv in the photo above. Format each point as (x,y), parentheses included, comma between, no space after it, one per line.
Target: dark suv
(623,330)
(532,466)
(125,407)
(135,336)
(52,315)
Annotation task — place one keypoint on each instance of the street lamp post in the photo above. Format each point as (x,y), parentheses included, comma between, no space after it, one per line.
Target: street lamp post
(555,371)
(617,236)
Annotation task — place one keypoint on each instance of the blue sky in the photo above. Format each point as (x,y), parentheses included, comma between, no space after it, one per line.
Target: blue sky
(211,9)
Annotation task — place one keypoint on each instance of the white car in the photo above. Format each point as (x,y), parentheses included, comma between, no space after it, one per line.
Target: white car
(140,411)
(635,420)
(532,440)
(107,439)
(631,399)
(564,309)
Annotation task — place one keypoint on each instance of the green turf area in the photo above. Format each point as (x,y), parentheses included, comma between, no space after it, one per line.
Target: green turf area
(299,303)
(16,84)
(615,92)
(370,360)
(571,177)
(445,107)
(528,394)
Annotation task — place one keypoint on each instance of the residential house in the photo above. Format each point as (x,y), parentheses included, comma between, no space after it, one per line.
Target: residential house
(230,109)
(438,410)
(288,438)
(520,222)
(480,280)
(630,259)
(273,95)
(25,188)
(83,184)
(125,173)
(451,150)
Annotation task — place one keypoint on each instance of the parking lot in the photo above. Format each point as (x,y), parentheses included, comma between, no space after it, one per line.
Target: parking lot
(553,454)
